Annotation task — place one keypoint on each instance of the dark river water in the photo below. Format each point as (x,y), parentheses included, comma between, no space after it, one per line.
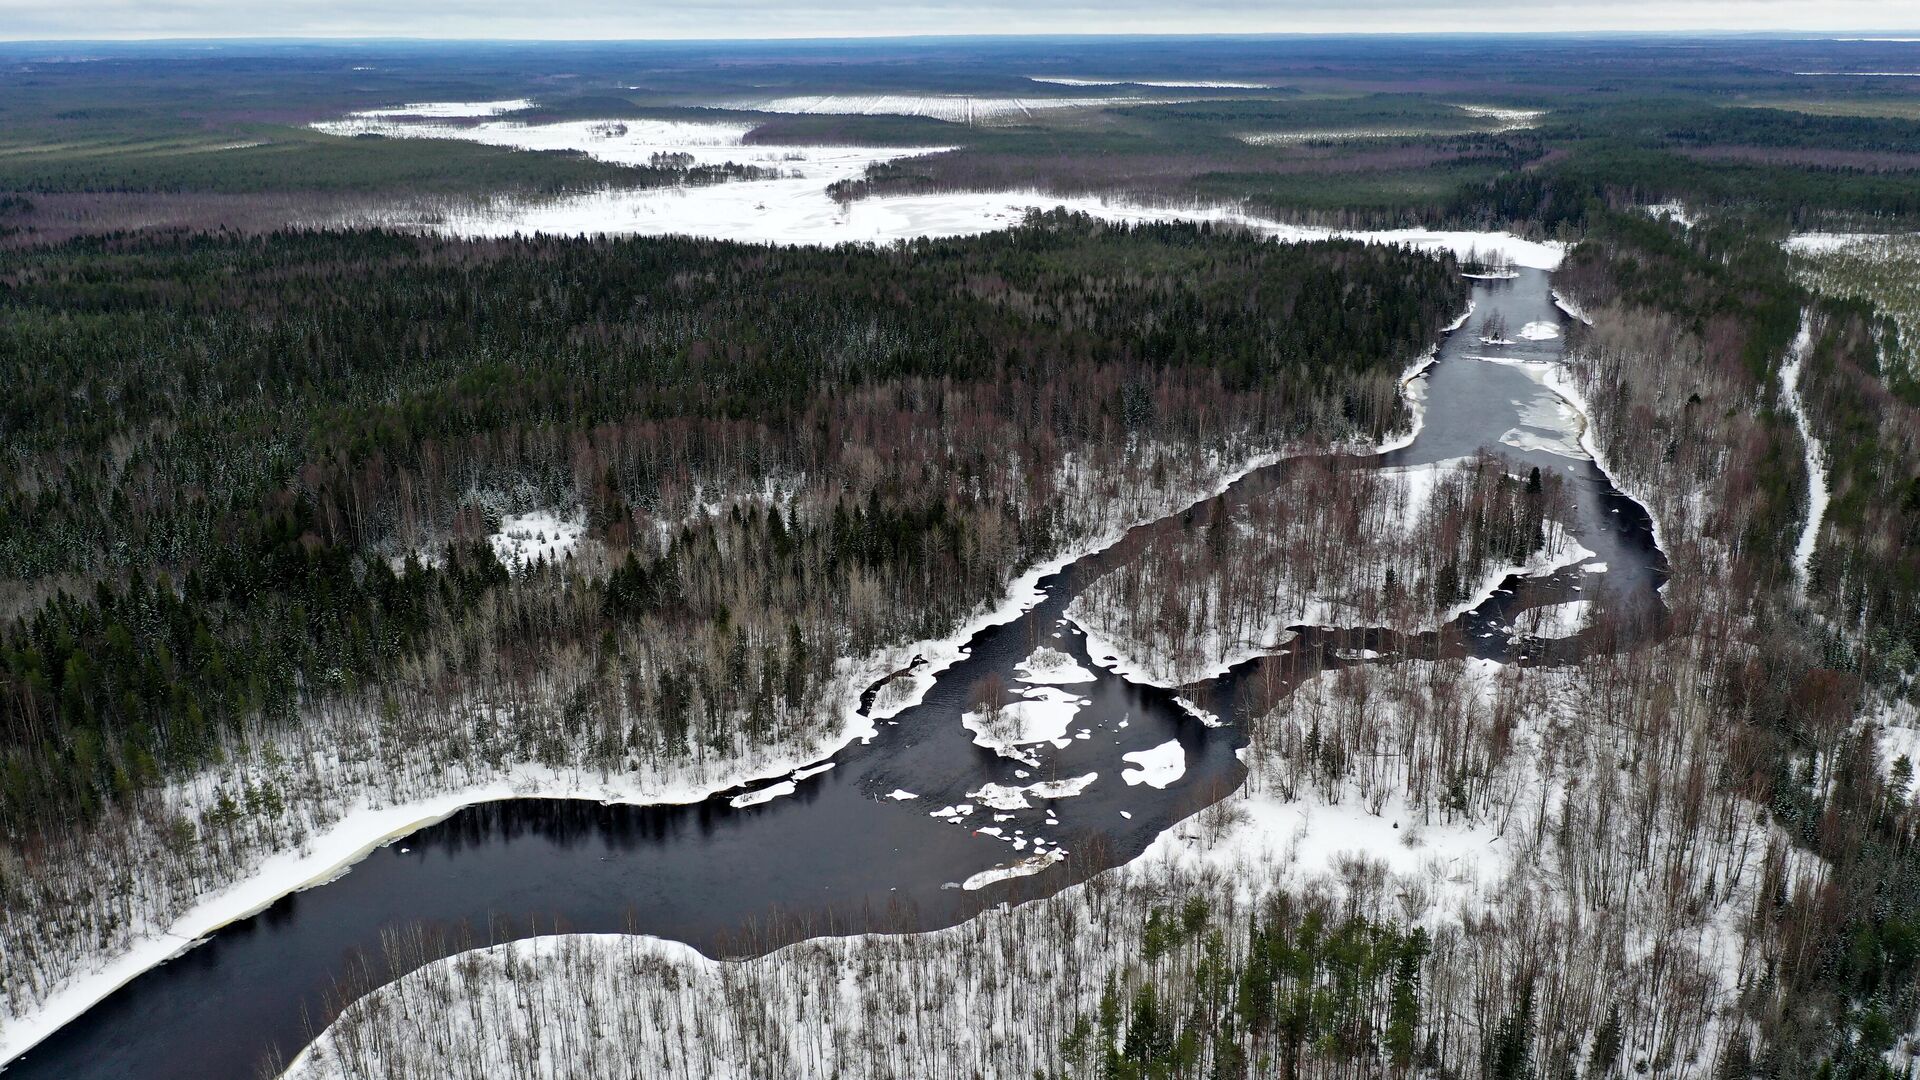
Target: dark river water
(837,856)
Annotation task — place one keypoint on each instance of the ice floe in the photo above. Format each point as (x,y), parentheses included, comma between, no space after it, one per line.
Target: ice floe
(765,794)
(1041,718)
(1032,864)
(1157,767)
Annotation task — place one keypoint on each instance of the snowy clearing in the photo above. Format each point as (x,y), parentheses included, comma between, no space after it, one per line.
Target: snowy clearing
(1295,138)
(526,540)
(794,208)
(1506,117)
(1539,331)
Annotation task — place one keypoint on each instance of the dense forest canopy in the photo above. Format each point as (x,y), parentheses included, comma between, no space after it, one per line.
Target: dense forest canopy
(247,469)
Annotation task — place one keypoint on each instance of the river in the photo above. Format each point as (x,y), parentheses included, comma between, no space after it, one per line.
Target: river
(840,855)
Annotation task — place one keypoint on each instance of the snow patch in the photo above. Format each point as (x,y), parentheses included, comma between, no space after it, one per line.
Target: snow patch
(1026,867)
(1041,718)
(1818,494)
(1157,767)
(1167,84)
(525,540)
(1051,666)
(765,794)
(450,109)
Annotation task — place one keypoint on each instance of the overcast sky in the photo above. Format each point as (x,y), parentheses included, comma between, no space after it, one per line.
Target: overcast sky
(587,19)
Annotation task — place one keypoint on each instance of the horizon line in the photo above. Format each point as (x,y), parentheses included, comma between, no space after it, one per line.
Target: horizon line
(1863,35)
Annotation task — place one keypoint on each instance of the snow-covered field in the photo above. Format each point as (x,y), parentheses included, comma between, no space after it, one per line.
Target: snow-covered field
(1507,118)
(449,110)
(1169,84)
(1295,138)
(1491,118)
(635,142)
(794,208)
(955,108)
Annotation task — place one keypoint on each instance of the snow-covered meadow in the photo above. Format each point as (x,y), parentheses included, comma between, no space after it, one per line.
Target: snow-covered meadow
(794,207)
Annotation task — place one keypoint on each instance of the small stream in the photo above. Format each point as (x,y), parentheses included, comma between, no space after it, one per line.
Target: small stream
(839,855)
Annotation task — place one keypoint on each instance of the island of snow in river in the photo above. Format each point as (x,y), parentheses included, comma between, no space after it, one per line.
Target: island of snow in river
(1157,767)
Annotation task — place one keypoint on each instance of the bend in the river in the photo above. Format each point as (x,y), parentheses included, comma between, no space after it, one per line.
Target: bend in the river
(840,855)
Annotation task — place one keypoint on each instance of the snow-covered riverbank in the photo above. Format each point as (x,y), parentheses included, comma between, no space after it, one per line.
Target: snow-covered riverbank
(1818,494)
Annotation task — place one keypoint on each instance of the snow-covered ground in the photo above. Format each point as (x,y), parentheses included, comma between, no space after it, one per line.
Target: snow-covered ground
(1043,716)
(526,540)
(956,108)
(794,208)
(449,110)
(637,142)
(1572,309)
(1554,620)
(1817,242)
(1287,570)
(1052,667)
(1169,84)
(1493,118)
(1816,455)
(1295,138)
(1032,864)
(1670,211)
(1506,117)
